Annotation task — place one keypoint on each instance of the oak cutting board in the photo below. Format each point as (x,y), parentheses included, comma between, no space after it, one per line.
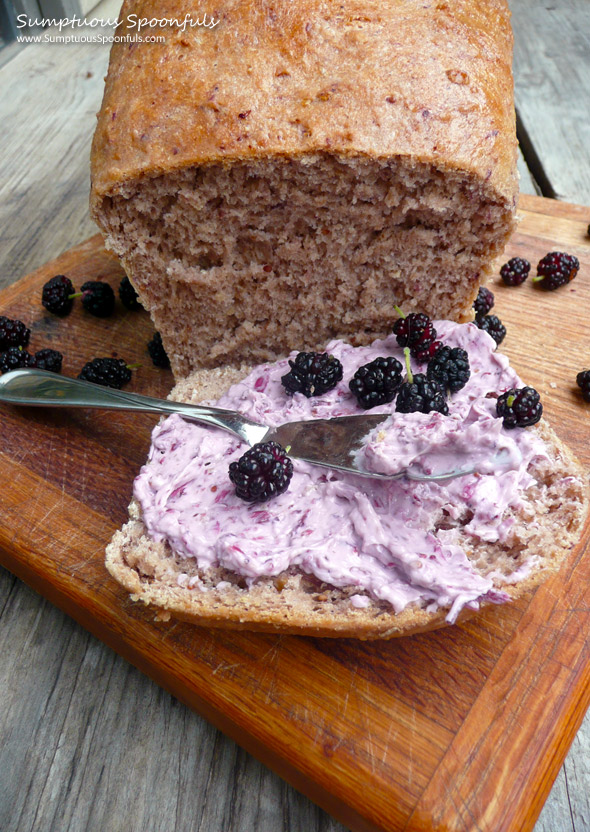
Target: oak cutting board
(460,729)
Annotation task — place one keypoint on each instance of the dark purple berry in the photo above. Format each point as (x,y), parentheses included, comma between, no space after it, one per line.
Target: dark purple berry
(157,352)
(377,383)
(426,351)
(421,395)
(417,332)
(110,372)
(519,407)
(493,326)
(450,368)
(128,295)
(313,374)
(515,271)
(556,269)
(483,302)
(58,295)
(583,382)
(49,360)
(262,472)
(14,358)
(13,333)
(98,298)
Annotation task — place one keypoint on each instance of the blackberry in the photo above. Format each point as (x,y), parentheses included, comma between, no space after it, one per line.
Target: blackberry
(312,373)
(417,332)
(583,382)
(262,472)
(556,269)
(128,295)
(519,407)
(48,360)
(420,394)
(483,302)
(157,352)
(450,368)
(110,372)
(13,333)
(98,298)
(14,358)
(515,271)
(493,326)
(58,295)
(377,383)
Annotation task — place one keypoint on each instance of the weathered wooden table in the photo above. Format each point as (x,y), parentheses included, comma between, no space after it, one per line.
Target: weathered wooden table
(86,742)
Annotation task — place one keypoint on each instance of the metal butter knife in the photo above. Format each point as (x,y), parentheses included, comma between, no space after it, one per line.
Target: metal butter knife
(331,443)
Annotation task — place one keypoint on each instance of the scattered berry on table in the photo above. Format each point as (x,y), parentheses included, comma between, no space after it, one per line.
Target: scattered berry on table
(312,373)
(157,352)
(48,360)
(421,395)
(262,472)
(128,295)
(450,368)
(98,298)
(110,372)
(519,407)
(13,333)
(377,382)
(417,332)
(556,269)
(515,271)
(483,302)
(14,358)
(58,295)
(493,326)
(583,382)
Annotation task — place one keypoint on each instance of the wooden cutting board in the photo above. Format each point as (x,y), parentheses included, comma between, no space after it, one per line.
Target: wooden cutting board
(460,729)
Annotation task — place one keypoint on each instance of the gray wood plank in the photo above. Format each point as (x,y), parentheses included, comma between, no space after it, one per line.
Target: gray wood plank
(552,80)
(527,183)
(87,743)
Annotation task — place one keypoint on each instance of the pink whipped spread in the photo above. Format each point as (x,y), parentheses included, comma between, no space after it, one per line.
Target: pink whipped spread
(393,541)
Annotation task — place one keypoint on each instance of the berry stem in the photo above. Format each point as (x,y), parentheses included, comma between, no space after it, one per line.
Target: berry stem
(408,368)
(399,312)
(538,278)
(75,295)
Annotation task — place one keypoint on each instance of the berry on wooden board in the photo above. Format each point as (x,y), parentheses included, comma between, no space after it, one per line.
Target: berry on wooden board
(556,269)
(110,372)
(58,295)
(515,271)
(13,333)
(98,298)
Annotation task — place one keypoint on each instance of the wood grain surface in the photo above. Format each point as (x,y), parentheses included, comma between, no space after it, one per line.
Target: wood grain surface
(464,728)
(87,743)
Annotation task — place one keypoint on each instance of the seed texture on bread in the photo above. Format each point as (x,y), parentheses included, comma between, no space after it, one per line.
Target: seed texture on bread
(295,172)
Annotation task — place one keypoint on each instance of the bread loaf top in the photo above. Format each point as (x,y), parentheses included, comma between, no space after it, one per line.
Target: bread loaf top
(430,80)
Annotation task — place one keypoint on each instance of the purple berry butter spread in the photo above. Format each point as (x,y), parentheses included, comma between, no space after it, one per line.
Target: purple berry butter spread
(397,541)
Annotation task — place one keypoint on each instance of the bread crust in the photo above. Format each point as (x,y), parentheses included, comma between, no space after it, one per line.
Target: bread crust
(295,603)
(376,78)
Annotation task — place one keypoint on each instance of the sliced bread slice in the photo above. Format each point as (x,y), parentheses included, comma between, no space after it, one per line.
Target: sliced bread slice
(547,525)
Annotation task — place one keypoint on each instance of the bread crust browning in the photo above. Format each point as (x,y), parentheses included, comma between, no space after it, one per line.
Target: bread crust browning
(379,78)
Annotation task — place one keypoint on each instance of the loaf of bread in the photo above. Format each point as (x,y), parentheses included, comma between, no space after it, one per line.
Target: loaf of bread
(540,525)
(293,173)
